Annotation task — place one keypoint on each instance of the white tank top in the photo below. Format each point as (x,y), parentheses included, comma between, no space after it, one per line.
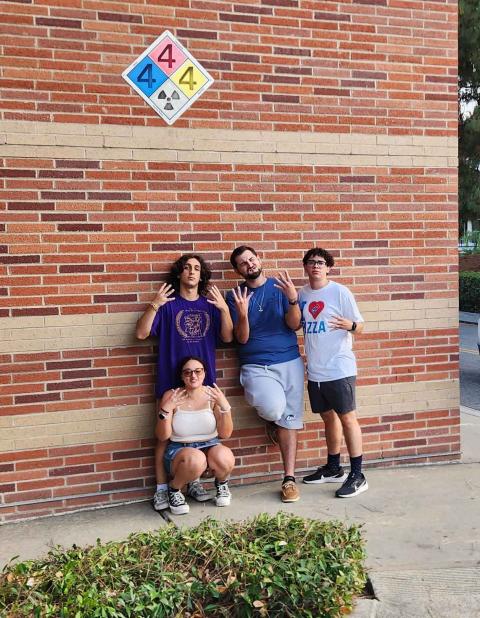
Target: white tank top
(193,425)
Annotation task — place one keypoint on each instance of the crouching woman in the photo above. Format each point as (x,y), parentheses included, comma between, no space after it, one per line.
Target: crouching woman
(195,417)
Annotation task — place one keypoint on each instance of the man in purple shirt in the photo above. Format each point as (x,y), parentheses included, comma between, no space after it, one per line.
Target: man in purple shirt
(186,323)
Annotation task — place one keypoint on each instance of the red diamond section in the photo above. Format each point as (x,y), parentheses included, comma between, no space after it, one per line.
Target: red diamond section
(168,56)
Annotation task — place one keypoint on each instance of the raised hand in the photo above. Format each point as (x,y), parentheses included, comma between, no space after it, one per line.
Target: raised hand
(174,398)
(215,394)
(164,294)
(242,299)
(216,298)
(287,286)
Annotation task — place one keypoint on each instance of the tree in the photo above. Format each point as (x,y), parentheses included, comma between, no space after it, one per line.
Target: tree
(469,121)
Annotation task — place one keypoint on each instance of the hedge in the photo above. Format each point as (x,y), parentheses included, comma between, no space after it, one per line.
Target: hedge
(272,565)
(469,291)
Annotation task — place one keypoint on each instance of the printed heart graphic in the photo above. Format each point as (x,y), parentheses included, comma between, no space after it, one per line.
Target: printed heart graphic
(316,308)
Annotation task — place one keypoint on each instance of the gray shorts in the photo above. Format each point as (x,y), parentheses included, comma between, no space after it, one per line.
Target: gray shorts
(276,391)
(337,395)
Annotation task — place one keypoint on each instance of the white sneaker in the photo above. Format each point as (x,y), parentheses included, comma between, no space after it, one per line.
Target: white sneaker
(160,500)
(177,502)
(223,497)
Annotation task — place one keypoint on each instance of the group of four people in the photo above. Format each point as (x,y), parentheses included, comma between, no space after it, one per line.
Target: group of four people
(189,316)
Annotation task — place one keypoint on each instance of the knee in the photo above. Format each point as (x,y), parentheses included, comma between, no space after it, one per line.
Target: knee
(349,420)
(221,458)
(193,459)
(270,412)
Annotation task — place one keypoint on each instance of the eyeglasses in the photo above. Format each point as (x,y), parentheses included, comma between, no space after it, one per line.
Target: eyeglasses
(189,372)
(313,263)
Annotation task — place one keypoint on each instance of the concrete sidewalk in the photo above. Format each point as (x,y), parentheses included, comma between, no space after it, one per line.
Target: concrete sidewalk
(422,527)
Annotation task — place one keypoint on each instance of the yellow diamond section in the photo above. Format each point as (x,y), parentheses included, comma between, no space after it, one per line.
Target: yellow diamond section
(189,78)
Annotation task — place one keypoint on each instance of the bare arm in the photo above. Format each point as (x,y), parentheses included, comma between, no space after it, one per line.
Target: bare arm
(144,323)
(293,317)
(221,410)
(226,325)
(166,406)
(242,327)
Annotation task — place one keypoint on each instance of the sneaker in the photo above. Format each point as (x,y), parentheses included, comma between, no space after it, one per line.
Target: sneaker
(223,497)
(326,475)
(197,491)
(177,503)
(160,500)
(290,492)
(271,431)
(354,485)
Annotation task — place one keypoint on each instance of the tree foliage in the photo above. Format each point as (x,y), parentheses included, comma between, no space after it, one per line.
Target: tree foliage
(469,123)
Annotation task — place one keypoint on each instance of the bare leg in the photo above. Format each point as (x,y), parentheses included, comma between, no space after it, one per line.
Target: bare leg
(221,461)
(287,440)
(160,472)
(352,433)
(333,431)
(188,464)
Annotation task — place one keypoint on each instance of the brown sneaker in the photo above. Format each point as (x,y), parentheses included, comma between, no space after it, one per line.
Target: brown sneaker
(271,431)
(290,492)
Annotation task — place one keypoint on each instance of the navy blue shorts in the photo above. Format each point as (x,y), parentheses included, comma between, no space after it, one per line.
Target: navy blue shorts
(174,447)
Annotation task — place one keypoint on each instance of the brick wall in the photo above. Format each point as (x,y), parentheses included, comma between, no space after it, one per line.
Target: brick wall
(328,124)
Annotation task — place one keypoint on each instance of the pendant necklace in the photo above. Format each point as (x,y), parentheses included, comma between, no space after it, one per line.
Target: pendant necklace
(260,304)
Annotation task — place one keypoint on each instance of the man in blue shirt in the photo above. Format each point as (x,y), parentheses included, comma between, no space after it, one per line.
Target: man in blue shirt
(265,314)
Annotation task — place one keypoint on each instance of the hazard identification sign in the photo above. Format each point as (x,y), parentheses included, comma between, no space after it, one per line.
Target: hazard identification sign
(168,77)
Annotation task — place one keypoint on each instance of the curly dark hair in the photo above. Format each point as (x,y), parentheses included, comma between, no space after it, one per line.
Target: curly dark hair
(317,251)
(173,277)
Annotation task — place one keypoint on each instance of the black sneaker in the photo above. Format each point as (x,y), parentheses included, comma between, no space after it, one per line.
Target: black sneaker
(355,484)
(326,475)
(177,502)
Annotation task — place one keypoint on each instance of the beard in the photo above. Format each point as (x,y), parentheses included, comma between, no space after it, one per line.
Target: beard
(253,275)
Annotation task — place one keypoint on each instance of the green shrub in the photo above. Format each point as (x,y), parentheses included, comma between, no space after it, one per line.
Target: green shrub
(469,291)
(272,565)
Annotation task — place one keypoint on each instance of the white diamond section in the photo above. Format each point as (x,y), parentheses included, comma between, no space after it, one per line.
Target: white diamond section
(168,77)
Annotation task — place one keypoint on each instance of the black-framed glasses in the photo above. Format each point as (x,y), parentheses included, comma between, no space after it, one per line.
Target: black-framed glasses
(189,372)
(313,263)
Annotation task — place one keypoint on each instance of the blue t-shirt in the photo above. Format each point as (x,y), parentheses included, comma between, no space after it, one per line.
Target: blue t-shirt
(185,328)
(271,341)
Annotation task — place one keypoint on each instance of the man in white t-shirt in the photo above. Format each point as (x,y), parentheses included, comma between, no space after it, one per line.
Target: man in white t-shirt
(330,317)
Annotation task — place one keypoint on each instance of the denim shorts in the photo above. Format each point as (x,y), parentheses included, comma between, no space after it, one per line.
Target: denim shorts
(174,447)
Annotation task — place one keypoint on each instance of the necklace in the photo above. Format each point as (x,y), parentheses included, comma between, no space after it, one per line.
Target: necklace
(259,304)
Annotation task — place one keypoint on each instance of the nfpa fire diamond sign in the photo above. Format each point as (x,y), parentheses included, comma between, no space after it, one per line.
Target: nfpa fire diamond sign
(168,77)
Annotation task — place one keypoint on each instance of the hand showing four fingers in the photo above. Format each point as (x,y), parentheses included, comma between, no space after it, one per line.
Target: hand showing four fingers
(287,286)
(174,398)
(164,295)
(241,298)
(215,394)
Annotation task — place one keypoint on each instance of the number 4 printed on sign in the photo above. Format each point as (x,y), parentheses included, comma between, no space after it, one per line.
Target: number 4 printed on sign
(168,77)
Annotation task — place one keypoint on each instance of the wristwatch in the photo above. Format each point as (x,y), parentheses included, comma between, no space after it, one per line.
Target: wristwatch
(162,415)
(293,302)
(354,327)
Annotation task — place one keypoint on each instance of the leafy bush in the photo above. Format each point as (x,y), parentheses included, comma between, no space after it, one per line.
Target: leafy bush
(272,565)
(470,291)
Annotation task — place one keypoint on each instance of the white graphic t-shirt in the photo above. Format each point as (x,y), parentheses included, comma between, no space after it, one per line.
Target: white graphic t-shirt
(328,351)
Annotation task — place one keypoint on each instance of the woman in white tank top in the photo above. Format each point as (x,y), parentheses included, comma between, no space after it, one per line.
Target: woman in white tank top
(193,420)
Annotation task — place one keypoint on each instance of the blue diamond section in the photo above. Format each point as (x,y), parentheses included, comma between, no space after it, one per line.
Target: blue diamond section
(147,76)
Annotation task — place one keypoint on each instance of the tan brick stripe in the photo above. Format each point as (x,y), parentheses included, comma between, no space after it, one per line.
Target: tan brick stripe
(57,333)
(119,142)
(98,425)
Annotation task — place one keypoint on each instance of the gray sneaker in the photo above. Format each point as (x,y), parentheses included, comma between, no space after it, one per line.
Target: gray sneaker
(160,500)
(197,491)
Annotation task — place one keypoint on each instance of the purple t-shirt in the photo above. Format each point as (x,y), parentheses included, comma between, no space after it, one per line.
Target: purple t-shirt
(185,328)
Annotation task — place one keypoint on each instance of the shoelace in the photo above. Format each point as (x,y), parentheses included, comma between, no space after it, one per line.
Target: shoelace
(176,498)
(196,489)
(222,490)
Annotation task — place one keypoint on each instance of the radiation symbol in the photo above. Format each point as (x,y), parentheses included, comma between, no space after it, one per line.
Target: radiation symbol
(169,99)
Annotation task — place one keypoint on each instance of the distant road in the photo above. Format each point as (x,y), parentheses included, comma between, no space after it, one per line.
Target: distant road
(469,367)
